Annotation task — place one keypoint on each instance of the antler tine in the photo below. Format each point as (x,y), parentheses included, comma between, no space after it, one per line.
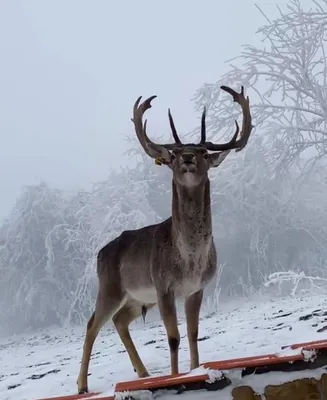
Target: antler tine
(203,126)
(173,129)
(234,143)
(140,128)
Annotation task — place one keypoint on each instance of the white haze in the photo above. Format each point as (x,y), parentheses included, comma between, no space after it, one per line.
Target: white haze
(71,71)
(69,75)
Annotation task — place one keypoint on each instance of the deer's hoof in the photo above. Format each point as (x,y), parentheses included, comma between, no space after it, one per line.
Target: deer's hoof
(83,390)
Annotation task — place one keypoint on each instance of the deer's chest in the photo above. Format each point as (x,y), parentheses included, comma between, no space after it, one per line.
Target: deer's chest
(191,268)
(193,258)
(188,286)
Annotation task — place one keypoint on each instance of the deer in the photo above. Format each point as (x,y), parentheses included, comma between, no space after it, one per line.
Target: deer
(171,260)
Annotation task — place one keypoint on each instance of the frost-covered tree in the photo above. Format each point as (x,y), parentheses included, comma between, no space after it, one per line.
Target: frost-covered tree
(263,224)
(269,215)
(28,285)
(49,243)
(115,205)
(286,77)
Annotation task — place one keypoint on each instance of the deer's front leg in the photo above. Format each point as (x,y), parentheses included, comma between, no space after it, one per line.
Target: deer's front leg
(192,311)
(167,307)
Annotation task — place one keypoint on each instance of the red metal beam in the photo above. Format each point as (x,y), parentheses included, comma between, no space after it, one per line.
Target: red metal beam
(169,381)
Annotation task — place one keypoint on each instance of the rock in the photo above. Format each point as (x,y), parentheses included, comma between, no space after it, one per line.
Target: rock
(300,389)
(245,393)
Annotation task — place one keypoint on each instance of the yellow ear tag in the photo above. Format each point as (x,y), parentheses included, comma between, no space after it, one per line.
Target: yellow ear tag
(157,161)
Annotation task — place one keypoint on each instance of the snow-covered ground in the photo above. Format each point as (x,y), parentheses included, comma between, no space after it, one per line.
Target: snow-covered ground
(46,363)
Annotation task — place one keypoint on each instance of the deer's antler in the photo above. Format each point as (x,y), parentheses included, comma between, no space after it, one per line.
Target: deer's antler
(173,129)
(203,126)
(234,143)
(140,128)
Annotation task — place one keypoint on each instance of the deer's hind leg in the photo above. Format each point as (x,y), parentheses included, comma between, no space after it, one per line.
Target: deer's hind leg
(122,319)
(107,304)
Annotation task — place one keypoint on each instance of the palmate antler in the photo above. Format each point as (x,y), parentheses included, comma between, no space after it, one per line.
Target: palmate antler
(234,143)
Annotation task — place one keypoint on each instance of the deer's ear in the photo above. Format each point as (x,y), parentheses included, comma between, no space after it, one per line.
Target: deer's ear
(217,158)
(159,152)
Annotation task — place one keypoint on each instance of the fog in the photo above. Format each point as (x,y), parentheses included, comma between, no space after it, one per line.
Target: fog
(69,76)
(71,71)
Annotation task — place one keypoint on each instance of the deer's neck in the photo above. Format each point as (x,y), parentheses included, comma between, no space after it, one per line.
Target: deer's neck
(191,214)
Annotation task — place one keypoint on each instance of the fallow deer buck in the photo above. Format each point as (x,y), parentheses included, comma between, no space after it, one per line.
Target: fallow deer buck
(174,259)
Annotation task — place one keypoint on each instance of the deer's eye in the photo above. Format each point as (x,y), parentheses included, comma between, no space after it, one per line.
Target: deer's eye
(206,155)
(173,156)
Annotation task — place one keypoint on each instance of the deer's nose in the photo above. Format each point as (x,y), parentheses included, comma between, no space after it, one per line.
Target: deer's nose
(188,157)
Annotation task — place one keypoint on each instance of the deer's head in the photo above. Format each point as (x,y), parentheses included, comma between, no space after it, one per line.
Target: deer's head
(190,163)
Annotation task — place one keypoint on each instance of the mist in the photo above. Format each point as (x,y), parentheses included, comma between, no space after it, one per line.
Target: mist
(71,72)
(74,177)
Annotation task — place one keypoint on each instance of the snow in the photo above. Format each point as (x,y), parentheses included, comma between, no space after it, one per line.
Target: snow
(46,363)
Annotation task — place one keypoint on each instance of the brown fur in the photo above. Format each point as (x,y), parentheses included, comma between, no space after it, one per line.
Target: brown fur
(160,263)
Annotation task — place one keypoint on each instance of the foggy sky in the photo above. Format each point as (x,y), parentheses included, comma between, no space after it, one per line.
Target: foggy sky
(70,72)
